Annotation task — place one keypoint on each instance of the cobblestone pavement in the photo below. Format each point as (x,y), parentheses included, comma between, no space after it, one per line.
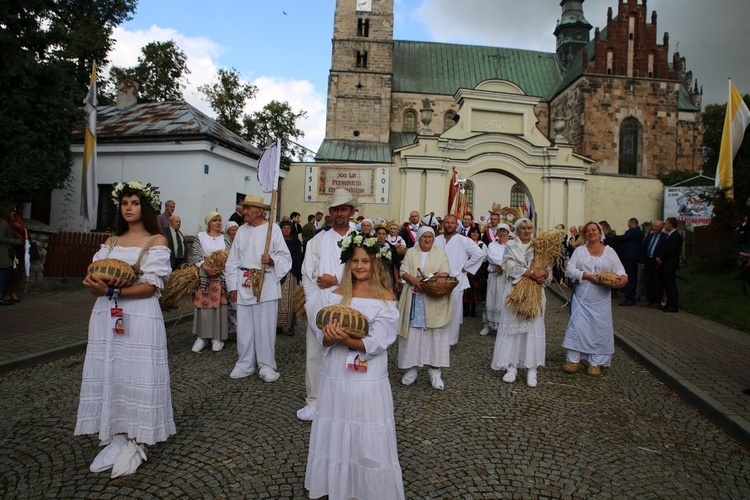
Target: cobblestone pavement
(624,434)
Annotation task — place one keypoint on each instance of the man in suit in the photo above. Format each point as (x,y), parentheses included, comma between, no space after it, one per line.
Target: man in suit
(654,241)
(175,241)
(630,243)
(308,231)
(296,226)
(668,259)
(490,233)
(238,215)
(467,222)
(409,231)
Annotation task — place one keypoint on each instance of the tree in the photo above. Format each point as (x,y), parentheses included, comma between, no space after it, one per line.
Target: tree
(276,120)
(227,97)
(161,72)
(84,29)
(48,48)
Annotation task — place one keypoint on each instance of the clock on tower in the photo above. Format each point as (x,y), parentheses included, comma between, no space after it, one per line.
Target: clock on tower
(364,5)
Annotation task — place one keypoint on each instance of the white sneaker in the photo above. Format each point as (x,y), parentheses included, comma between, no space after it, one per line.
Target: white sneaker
(484,331)
(435,380)
(199,345)
(531,377)
(130,458)
(106,458)
(410,377)
(510,375)
(268,374)
(306,413)
(217,345)
(239,373)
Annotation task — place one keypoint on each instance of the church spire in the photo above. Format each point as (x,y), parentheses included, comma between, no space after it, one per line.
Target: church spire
(572,31)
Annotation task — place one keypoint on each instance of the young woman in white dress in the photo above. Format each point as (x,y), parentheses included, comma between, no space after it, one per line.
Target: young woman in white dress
(353,451)
(125,394)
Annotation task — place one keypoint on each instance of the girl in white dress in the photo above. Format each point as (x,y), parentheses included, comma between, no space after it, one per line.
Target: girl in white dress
(353,451)
(590,335)
(125,394)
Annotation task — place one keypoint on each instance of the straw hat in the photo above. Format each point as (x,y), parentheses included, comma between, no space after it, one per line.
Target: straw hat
(342,197)
(252,200)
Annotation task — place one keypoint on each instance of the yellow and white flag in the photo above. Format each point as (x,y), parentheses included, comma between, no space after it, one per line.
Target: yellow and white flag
(735,122)
(89,193)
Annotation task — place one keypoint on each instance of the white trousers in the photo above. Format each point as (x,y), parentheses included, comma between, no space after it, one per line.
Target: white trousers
(314,365)
(256,335)
(457,297)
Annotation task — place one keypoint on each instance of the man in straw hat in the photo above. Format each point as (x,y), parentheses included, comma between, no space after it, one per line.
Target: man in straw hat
(256,316)
(321,272)
(464,256)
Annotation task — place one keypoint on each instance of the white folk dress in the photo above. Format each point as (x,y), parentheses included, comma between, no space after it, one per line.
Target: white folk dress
(590,335)
(125,388)
(353,450)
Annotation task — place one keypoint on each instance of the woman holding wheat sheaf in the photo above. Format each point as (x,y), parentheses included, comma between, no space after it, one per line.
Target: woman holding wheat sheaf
(521,336)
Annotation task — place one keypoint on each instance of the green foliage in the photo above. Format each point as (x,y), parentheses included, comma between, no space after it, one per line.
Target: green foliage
(161,72)
(227,97)
(715,295)
(48,48)
(680,176)
(276,120)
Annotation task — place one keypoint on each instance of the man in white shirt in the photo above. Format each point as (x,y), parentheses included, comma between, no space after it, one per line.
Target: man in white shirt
(256,312)
(464,256)
(175,242)
(467,222)
(322,271)
(490,232)
(409,232)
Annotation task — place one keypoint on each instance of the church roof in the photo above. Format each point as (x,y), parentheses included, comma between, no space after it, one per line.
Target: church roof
(442,68)
(363,151)
(164,121)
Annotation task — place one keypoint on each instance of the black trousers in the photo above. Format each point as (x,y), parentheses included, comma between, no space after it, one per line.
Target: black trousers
(668,284)
(651,281)
(631,269)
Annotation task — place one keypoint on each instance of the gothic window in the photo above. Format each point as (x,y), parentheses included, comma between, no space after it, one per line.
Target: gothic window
(517,196)
(410,121)
(363,27)
(448,120)
(651,65)
(610,61)
(469,195)
(629,146)
(362,59)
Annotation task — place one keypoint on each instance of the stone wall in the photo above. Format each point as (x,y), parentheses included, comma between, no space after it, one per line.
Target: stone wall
(617,198)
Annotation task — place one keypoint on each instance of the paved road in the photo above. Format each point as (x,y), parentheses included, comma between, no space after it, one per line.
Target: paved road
(622,435)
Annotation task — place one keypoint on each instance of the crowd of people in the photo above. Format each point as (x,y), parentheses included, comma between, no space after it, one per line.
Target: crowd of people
(376,266)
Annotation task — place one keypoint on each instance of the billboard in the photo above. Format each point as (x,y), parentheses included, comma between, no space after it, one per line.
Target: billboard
(689,204)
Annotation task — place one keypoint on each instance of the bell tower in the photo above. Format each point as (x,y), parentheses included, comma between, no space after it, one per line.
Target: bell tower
(361,75)
(572,32)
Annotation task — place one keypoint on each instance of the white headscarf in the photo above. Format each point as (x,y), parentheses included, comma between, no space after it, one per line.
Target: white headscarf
(424,229)
(231,223)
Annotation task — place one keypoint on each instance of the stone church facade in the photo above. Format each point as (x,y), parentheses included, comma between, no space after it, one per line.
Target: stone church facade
(579,133)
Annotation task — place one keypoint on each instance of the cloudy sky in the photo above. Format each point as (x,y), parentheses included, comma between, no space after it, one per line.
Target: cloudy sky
(284,46)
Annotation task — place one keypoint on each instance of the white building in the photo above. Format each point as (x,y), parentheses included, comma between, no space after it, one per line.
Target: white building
(193,160)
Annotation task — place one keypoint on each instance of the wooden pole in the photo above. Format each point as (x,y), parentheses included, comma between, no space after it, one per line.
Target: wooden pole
(271,218)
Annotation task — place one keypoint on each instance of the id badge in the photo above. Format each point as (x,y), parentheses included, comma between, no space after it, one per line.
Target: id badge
(247,279)
(354,363)
(118,321)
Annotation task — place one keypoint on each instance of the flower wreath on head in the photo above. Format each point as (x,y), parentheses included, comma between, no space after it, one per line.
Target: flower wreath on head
(148,193)
(369,243)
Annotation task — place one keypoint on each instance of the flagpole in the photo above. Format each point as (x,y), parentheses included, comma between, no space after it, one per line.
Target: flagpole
(274,193)
(271,218)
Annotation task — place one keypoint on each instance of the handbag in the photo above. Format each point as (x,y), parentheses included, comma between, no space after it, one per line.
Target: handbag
(33,251)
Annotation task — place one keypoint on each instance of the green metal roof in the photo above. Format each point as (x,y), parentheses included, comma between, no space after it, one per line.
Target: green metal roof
(441,68)
(354,151)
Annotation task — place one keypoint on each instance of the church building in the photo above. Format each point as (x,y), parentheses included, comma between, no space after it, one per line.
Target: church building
(571,135)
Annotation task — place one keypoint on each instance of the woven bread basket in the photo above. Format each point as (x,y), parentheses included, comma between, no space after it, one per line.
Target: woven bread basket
(438,287)
(111,269)
(351,321)
(608,279)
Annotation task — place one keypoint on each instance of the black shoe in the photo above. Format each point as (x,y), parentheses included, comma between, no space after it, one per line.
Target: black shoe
(669,310)
(6,302)
(627,303)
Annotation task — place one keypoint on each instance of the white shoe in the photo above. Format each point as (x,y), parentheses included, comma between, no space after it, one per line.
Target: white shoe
(106,458)
(484,331)
(217,345)
(435,380)
(239,373)
(199,345)
(130,458)
(510,375)
(410,377)
(268,374)
(306,413)
(531,377)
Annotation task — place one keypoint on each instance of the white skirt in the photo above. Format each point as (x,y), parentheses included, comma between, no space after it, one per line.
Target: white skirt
(425,346)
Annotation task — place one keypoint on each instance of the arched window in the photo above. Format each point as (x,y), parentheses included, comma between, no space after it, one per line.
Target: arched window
(469,196)
(517,197)
(448,120)
(629,146)
(410,121)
